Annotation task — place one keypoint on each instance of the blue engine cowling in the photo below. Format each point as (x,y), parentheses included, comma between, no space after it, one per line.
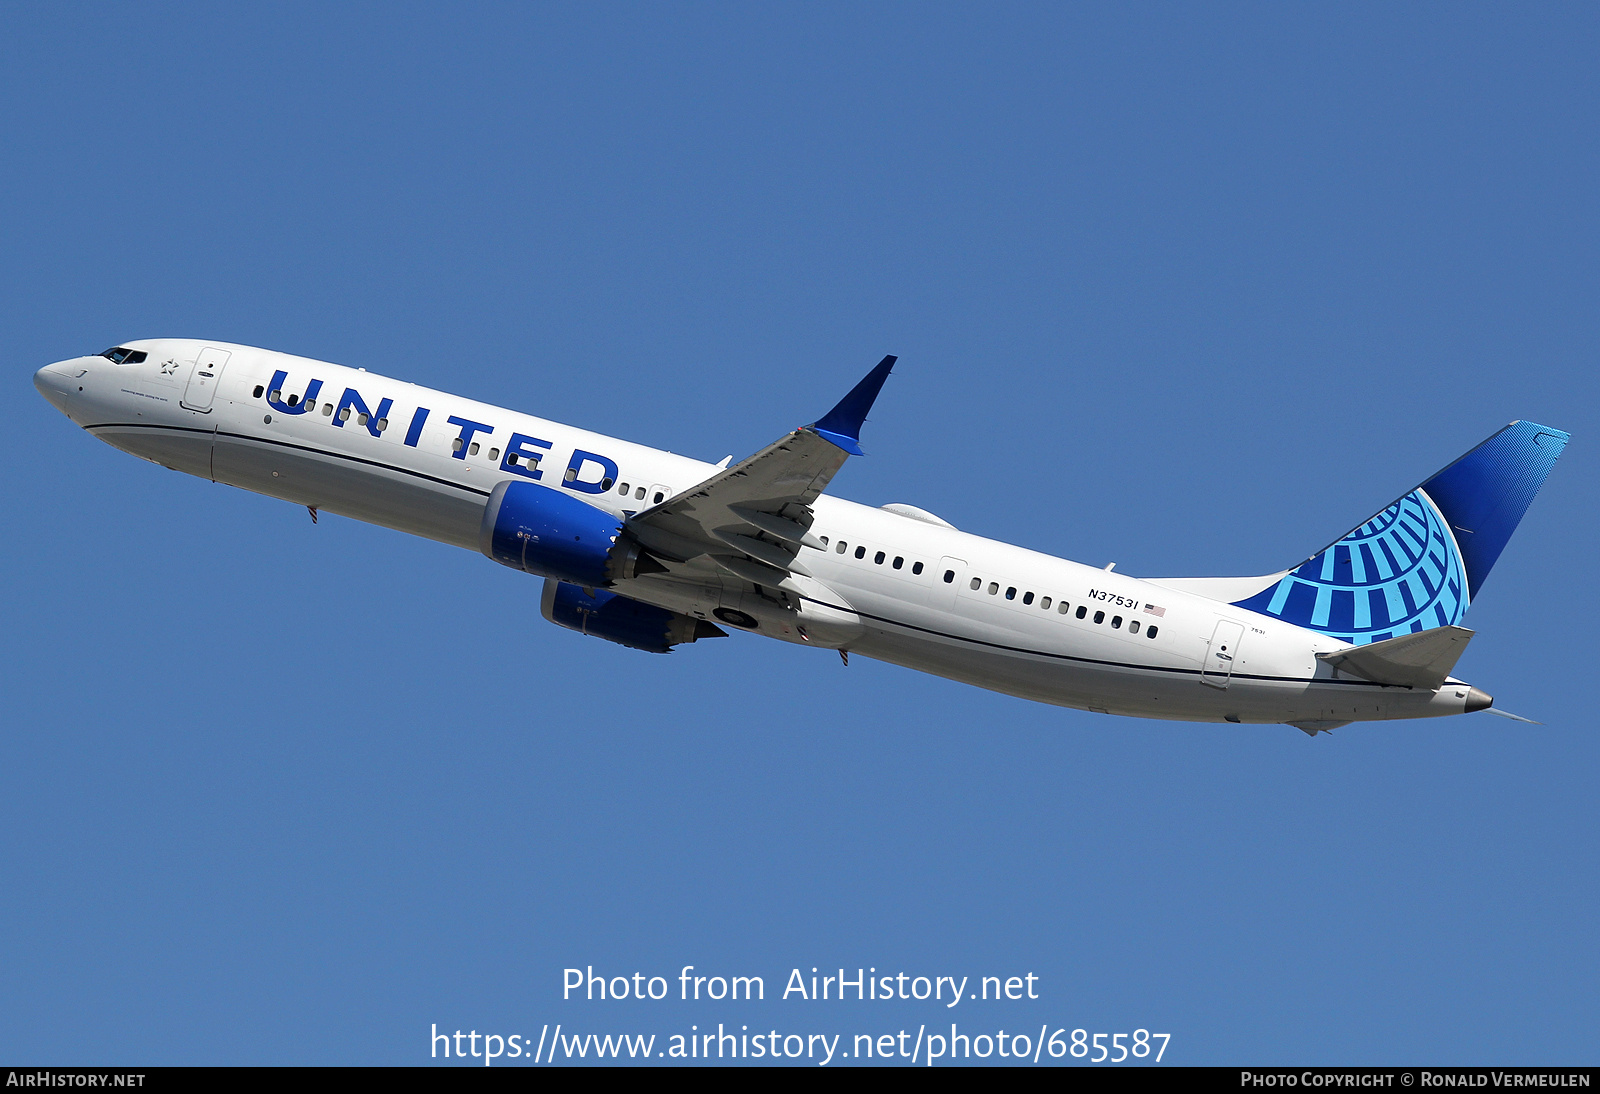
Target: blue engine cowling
(618,618)
(548,532)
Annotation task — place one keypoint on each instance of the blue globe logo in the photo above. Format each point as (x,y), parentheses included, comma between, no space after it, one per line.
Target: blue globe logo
(1398,573)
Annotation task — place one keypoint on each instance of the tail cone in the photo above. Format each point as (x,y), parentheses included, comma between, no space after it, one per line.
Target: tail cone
(1478,699)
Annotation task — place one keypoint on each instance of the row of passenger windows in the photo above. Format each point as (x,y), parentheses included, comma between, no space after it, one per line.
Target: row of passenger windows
(1062,607)
(861,552)
(327,411)
(1045,602)
(638,492)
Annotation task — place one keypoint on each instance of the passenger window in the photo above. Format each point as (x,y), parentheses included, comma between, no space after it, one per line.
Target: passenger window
(861,552)
(327,410)
(1027,598)
(494,453)
(1116,622)
(994,587)
(878,558)
(1151,632)
(623,489)
(361,419)
(511,459)
(605,483)
(1062,607)
(310,405)
(1044,602)
(916,567)
(1011,593)
(455,445)
(572,472)
(660,497)
(977,583)
(1099,617)
(843,547)
(277,393)
(824,541)
(258,391)
(472,450)
(1082,611)
(383,423)
(898,562)
(949,576)
(1133,626)
(294,400)
(344,416)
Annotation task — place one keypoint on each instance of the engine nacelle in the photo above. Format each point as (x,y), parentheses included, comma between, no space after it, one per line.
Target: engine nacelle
(548,532)
(621,619)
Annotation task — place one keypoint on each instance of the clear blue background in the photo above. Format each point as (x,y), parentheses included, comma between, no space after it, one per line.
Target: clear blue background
(1192,289)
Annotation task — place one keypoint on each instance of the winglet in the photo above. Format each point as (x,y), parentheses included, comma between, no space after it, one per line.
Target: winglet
(842,424)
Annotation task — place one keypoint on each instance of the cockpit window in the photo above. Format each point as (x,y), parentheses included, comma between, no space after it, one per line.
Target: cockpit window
(121,355)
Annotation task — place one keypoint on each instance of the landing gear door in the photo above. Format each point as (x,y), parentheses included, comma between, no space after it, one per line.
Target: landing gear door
(204,378)
(946,580)
(1223,654)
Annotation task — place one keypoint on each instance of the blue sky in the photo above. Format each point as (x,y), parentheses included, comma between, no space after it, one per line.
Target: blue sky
(1191,289)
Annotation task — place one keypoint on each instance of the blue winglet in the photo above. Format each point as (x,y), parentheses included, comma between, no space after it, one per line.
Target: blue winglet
(842,424)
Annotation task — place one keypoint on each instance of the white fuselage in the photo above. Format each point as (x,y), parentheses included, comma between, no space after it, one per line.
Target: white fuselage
(1123,646)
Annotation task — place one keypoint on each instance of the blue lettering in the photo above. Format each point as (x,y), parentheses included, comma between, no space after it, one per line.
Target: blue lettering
(520,459)
(275,394)
(414,434)
(468,428)
(572,480)
(351,399)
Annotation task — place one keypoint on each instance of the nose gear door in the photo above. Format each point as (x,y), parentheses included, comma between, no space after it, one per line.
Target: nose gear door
(1222,655)
(204,378)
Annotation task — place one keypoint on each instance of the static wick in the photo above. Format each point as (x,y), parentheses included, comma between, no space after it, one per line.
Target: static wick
(844,655)
(312,509)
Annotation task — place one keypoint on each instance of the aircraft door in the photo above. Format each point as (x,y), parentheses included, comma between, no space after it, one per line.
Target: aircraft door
(946,580)
(204,378)
(1223,654)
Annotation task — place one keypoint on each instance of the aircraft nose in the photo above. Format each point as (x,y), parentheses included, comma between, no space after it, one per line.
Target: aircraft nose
(54,382)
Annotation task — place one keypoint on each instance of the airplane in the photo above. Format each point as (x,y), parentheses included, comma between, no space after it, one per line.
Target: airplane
(653,550)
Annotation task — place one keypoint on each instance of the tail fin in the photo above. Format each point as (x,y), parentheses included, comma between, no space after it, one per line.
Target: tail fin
(1419,563)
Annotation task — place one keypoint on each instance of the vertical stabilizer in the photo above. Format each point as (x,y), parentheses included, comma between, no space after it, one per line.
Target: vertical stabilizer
(1418,563)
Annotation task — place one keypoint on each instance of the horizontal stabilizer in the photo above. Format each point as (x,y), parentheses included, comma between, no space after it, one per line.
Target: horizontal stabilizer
(1422,660)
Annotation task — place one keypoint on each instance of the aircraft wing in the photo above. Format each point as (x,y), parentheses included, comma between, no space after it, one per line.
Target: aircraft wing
(750,520)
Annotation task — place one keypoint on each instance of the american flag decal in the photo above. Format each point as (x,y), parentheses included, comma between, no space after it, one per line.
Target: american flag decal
(1154,610)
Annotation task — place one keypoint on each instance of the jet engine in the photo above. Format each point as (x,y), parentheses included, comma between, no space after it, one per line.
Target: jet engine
(620,619)
(551,533)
